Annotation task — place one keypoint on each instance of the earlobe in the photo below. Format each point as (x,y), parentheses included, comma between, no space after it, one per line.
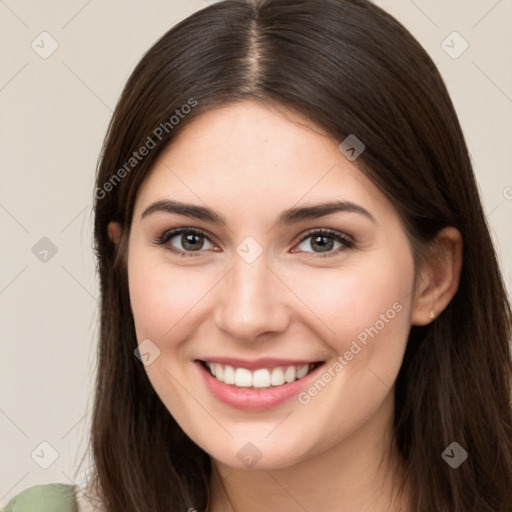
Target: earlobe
(440,279)
(114,232)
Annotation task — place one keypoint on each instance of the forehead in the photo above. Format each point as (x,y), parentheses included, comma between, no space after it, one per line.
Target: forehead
(250,156)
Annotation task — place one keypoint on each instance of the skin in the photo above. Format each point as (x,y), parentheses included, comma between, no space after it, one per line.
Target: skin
(249,163)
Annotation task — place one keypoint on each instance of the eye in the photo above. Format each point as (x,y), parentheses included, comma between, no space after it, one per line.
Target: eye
(191,240)
(324,240)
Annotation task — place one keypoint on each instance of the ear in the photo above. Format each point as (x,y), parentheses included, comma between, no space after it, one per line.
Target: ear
(439,277)
(114,232)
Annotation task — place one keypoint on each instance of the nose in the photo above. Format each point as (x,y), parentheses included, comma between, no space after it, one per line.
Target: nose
(252,301)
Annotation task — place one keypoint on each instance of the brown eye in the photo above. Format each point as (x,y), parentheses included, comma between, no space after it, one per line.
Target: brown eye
(190,240)
(324,241)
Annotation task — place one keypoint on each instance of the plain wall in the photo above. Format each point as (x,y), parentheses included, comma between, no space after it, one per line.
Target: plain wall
(54,114)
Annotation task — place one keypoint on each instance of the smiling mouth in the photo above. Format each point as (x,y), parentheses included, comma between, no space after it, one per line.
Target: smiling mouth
(260,378)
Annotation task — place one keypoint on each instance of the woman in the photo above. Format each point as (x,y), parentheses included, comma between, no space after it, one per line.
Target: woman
(301,307)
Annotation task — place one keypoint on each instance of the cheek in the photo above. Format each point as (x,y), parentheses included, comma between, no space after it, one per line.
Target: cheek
(365,319)
(161,296)
(363,309)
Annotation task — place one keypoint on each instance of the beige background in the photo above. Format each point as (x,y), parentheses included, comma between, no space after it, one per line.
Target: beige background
(54,114)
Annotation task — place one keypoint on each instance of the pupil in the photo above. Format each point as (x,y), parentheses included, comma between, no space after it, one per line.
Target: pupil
(189,240)
(324,242)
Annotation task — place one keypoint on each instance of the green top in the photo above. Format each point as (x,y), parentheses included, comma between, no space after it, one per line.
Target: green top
(44,498)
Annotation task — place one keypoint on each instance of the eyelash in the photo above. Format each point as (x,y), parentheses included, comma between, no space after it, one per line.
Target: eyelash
(346,241)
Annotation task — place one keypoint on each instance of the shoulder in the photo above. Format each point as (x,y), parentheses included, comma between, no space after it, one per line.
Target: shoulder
(44,498)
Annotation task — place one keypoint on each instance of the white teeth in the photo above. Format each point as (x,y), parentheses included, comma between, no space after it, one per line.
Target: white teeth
(219,371)
(277,377)
(302,371)
(243,378)
(229,374)
(289,374)
(261,378)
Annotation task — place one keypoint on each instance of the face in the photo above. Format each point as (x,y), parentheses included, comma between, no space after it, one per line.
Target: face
(302,313)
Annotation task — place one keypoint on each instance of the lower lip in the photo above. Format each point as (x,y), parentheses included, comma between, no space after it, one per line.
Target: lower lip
(255,399)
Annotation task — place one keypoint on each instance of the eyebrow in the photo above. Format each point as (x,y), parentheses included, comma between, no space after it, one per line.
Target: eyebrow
(288,217)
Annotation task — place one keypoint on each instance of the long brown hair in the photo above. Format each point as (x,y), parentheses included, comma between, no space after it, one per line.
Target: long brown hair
(352,69)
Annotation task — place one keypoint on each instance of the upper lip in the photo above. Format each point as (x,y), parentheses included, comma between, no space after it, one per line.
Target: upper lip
(264,362)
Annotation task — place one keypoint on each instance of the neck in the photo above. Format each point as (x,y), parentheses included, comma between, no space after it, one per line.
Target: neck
(359,474)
